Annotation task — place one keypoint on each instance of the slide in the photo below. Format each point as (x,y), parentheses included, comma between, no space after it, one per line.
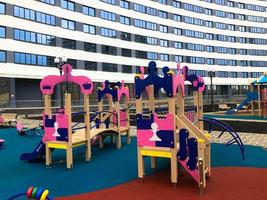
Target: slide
(250,96)
(37,153)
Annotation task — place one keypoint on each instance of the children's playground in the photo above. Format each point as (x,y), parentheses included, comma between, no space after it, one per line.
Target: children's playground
(152,146)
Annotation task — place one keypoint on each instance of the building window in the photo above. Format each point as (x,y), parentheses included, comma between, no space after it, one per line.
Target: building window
(244,74)
(163,14)
(141,54)
(126,36)
(139,8)
(163,2)
(109,50)
(163,28)
(108,32)
(241,5)
(107,15)
(230,3)
(177,31)
(22,58)
(109,1)
(230,15)
(231,27)
(51,2)
(89,29)
(124,4)
(242,40)
(233,75)
(176,4)
(141,39)
(154,41)
(68,44)
(177,17)
(89,11)
(2,32)
(68,24)
(222,74)
(109,67)
(209,36)
(164,43)
(127,69)
(34,16)
(32,59)
(222,62)
(33,37)
(69,5)
(73,63)
(90,47)
(208,11)
(2,56)
(124,20)
(242,28)
(2,8)
(178,58)
(126,52)
(92,66)
(164,57)
(210,49)
(178,45)
(152,55)
(210,61)
(151,11)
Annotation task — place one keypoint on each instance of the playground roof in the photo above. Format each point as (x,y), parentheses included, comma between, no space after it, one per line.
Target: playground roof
(261,80)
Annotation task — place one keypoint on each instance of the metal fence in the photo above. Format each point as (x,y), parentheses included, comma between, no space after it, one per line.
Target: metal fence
(24,104)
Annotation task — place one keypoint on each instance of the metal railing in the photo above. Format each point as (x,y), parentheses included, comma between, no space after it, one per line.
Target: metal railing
(28,104)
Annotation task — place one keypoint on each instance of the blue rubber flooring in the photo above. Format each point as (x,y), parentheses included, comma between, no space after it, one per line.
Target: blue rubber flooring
(108,167)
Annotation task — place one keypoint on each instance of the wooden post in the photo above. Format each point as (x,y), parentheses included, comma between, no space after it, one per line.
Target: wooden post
(174,168)
(117,109)
(259,100)
(48,110)
(140,161)
(200,111)
(151,105)
(87,127)
(69,145)
(128,122)
(201,163)
(180,103)
(100,109)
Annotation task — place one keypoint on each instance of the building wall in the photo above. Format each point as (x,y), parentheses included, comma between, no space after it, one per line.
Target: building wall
(29,46)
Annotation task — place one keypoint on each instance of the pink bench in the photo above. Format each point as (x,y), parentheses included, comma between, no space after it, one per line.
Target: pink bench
(1,143)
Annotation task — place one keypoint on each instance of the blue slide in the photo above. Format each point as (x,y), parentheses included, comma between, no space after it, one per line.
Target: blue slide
(37,153)
(250,96)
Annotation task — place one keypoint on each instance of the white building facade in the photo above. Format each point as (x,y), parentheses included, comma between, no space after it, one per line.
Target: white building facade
(110,39)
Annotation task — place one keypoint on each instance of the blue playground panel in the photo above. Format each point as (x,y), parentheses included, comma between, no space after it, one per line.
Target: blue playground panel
(108,167)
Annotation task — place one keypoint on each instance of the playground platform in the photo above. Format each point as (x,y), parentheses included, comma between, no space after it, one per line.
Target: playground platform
(112,173)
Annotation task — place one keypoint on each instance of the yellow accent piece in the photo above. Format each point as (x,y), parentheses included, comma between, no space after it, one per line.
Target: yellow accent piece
(162,154)
(208,135)
(170,72)
(44,195)
(138,75)
(78,144)
(57,146)
(200,141)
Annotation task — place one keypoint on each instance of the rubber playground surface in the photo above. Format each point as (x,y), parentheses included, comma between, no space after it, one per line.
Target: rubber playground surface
(112,173)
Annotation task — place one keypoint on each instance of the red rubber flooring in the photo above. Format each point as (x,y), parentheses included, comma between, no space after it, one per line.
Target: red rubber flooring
(226,183)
